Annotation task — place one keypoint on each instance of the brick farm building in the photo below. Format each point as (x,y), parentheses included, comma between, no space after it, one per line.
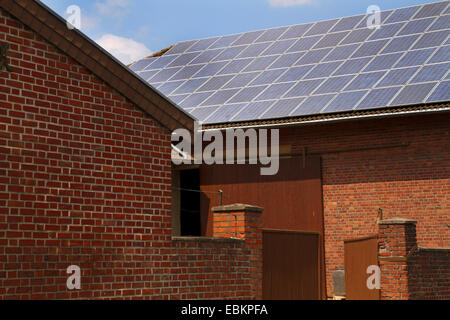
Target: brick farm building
(86,176)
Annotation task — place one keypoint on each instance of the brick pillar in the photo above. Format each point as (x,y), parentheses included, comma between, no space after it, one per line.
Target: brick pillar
(397,242)
(243,221)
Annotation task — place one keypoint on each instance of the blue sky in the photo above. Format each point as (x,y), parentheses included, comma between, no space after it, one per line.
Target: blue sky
(132,29)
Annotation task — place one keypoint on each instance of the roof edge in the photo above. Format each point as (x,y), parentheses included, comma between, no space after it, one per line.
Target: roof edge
(52,27)
(334,117)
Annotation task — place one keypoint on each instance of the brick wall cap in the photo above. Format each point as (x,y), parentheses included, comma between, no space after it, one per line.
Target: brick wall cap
(434,249)
(397,221)
(206,239)
(238,207)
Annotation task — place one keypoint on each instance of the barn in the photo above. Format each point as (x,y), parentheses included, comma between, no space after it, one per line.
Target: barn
(363,121)
(87,181)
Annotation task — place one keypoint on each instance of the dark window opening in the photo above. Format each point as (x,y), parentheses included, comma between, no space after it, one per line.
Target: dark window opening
(190,203)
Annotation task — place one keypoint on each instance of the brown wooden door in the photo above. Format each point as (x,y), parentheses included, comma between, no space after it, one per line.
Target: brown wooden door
(292,199)
(359,254)
(291,265)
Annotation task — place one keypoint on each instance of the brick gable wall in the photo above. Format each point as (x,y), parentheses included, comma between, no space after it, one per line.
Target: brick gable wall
(407,174)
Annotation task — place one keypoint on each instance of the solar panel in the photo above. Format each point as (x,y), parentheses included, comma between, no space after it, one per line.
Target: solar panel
(226,112)
(397,77)
(323,70)
(324,66)
(313,56)
(304,44)
(432,9)
(165,74)
(303,88)
(147,75)
(431,73)
(187,72)
(352,66)
(296,73)
(287,60)
(230,53)
(384,16)
(441,93)
(282,108)
(141,65)
(401,44)
(271,34)
(378,98)
(416,26)
(403,14)
(168,87)
(203,113)
(261,63)
(347,23)
(253,110)
(275,91)
(211,69)
(331,40)
(160,62)
(386,31)
(242,80)
(224,41)
(313,104)
(321,27)
(365,81)
(248,38)
(442,22)
(414,58)
(345,100)
(206,56)
(195,99)
(411,94)
(431,39)
(247,94)
(254,50)
(358,35)
(235,66)
(190,86)
(442,55)
(181,47)
(202,44)
(371,48)
(341,52)
(334,84)
(215,83)
(296,31)
(220,97)
(183,59)
(268,76)
(382,62)
(179,98)
(279,47)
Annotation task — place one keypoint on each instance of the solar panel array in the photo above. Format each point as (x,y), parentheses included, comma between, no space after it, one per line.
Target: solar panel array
(323,67)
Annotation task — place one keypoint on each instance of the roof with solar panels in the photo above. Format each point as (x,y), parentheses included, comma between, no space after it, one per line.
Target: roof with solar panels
(321,68)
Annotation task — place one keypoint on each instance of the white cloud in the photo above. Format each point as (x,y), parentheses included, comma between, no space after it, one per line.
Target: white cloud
(114,8)
(125,49)
(289,3)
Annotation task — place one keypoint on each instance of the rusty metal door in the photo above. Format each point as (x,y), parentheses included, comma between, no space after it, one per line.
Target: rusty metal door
(359,254)
(291,265)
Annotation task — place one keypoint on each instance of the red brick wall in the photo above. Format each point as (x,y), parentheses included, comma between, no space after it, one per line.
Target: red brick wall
(206,268)
(410,182)
(429,274)
(409,271)
(85,179)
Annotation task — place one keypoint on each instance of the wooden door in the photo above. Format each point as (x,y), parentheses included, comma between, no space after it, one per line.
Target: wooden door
(359,254)
(291,265)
